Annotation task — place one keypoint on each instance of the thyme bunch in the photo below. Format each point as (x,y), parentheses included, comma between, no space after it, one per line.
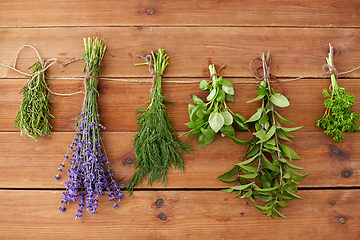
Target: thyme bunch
(89,175)
(265,171)
(209,118)
(157,145)
(34,115)
(338,117)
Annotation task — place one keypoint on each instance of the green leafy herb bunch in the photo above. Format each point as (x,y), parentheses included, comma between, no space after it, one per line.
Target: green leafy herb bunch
(157,145)
(209,118)
(338,117)
(34,115)
(265,171)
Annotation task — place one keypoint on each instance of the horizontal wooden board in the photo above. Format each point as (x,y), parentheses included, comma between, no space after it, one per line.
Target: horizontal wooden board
(295,51)
(118,101)
(179,13)
(27,164)
(325,214)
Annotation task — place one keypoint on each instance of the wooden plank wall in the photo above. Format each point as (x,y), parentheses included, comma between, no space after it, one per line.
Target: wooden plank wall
(193,33)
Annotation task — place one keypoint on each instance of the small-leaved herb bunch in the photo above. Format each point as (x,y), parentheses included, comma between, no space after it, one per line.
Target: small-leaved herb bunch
(209,118)
(34,115)
(338,117)
(157,145)
(89,175)
(265,171)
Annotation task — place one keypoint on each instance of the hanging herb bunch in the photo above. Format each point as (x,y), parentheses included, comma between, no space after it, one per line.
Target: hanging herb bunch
(209,118)
(265,171)
(157,145)
(34,115)
(89,175)
(338,117)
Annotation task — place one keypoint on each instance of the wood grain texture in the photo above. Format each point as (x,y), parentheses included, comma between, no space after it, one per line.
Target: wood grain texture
(295,51)
(26,164)
(324,214)
(118,101)
(50,13)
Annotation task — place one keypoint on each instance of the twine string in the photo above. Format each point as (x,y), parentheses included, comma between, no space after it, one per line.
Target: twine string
(149,60)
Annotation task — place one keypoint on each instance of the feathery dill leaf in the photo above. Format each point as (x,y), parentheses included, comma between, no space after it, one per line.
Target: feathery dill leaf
(157,145)
(34,115)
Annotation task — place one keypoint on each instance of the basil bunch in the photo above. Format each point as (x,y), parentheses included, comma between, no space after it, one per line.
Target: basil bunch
(267,174)
(209,118)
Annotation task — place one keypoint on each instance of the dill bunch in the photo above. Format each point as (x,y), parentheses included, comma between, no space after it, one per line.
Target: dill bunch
(338,117)
(34,115)
(157,145)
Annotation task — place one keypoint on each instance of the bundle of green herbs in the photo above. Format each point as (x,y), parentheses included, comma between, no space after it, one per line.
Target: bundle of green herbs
(89,175)
(338,117)
(34,115)
(209,118)
(265,171)
(157,145)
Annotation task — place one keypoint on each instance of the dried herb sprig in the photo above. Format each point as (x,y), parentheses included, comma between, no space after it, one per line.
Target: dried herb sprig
(265,171)
(209,118)
(338,117)
(90,174)
(157,145)
(34,115)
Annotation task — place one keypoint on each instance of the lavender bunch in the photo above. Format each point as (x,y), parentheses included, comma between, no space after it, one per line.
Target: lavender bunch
(90,174)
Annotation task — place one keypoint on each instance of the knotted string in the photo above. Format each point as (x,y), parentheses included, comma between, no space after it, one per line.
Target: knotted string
(87,74)
(148,59)
(218,72)
(38,74)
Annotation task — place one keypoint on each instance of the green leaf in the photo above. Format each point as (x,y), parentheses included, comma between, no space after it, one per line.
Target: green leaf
(209,137)
(240,121)
(191,108)
(229,98)
(279,100)
(265,189)
(256,99)
(286,150)
(211,95)
(268,135)
(201,140)
(226,83)
(197,100)
(282,203)
(227,190)
(230,173)
(294,167)
(216,121)
(268,164)
(298,178)
(262,208)
(281,119)
(264,198)
(292,195)
(221,96)
(247,168)
(290,129)
(241,187)
(278,214)
(228,118)
(248,176)
(247,195)
(256,116)
(229,180)
(248,161)
(228,131)
(204,85)
(228,90)
(240,142)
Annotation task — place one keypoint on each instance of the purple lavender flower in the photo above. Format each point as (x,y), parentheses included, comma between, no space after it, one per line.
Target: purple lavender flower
(89,175)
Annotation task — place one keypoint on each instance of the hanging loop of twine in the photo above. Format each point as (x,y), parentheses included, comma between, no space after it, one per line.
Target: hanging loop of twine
(149,60)
(38,74)
(218,72)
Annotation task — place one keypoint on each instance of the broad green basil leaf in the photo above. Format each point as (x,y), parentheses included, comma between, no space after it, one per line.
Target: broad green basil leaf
(204,85)
(221,96)
(256,116)
(279,100)
(197,100)
(228,118)
(216,121)
(211,95)
(228,131)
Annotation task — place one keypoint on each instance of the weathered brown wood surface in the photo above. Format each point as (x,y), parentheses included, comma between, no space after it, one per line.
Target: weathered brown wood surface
(180,215)
(194,34)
